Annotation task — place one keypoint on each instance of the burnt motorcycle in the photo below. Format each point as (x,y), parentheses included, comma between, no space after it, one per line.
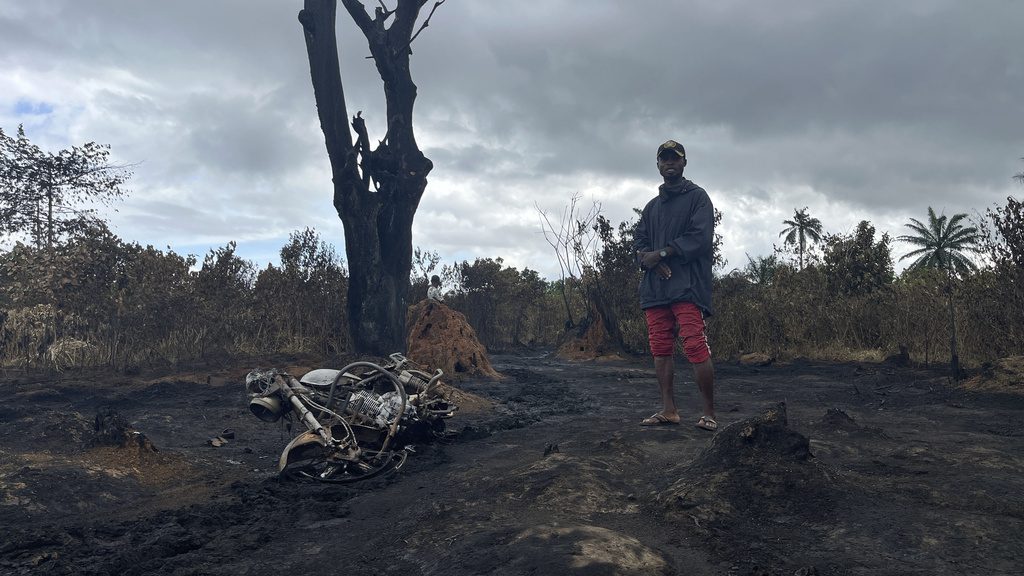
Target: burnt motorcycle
(359,422)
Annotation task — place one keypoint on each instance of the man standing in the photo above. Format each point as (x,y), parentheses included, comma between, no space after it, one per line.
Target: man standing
(674,242)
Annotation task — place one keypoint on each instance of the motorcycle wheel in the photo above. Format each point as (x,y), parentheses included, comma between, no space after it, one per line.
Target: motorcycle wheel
(311,463)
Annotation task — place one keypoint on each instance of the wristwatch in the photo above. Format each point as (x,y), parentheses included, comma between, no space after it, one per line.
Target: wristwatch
(663,254)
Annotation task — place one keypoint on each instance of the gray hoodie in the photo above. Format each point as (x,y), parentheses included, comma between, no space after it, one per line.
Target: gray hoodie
(683,217)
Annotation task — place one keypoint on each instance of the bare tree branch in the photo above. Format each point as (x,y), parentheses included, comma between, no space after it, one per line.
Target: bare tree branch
(426,23)
(383,13)
(358,13)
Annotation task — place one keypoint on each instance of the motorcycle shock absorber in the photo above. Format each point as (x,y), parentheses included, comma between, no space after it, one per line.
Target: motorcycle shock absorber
(304,413)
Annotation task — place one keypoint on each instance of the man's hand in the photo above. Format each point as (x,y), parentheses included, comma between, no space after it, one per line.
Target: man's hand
(653,261)
(649,259)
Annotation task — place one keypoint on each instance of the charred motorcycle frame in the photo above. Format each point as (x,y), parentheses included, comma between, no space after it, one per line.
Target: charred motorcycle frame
(359,421)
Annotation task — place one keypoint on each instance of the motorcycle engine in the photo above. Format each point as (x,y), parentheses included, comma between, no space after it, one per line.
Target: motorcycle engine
(381,408)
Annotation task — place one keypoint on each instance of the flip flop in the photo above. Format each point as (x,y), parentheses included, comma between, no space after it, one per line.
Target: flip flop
(658,419)
(706,423)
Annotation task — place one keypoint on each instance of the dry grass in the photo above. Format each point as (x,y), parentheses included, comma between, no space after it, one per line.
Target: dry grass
(1004,375)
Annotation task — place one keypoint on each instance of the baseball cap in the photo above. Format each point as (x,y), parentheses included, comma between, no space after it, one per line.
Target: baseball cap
(673,146)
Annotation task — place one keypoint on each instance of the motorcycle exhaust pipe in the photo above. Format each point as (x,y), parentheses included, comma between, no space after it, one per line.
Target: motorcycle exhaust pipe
(267,408)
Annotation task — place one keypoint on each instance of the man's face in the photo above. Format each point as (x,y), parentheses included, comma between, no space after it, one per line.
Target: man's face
(671,165)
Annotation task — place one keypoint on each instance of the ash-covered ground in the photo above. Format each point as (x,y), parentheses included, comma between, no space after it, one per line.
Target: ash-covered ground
(818,469)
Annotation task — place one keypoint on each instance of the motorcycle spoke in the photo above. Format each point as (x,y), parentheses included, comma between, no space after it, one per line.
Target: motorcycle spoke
(320,469)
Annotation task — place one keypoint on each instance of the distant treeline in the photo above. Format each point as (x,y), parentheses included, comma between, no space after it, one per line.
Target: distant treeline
(95,300)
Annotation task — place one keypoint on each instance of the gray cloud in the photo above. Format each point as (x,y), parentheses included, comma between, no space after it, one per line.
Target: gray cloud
(859,110)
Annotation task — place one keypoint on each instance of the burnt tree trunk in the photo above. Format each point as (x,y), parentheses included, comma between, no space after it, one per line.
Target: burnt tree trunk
(376,192)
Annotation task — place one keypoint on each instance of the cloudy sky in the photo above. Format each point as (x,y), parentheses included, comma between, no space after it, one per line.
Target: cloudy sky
(856,109)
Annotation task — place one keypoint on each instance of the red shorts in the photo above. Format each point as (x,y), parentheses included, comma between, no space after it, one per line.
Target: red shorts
(662,325)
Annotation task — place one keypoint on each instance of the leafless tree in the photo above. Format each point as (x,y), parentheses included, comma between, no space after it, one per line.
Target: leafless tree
(573,240)
(376,191)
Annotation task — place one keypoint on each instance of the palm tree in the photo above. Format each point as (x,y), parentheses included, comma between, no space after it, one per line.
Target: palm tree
(941,245)
(801,229)
(762,269)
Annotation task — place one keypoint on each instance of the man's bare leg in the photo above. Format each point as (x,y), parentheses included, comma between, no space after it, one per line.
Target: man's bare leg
(664,368)
(704,373)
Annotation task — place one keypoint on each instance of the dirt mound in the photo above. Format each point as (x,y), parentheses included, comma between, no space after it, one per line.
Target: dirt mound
(754,468)
(1004,375)
(584,481)
(440,337)
(836,420)
(468,403)
(590,342)
(583,549)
